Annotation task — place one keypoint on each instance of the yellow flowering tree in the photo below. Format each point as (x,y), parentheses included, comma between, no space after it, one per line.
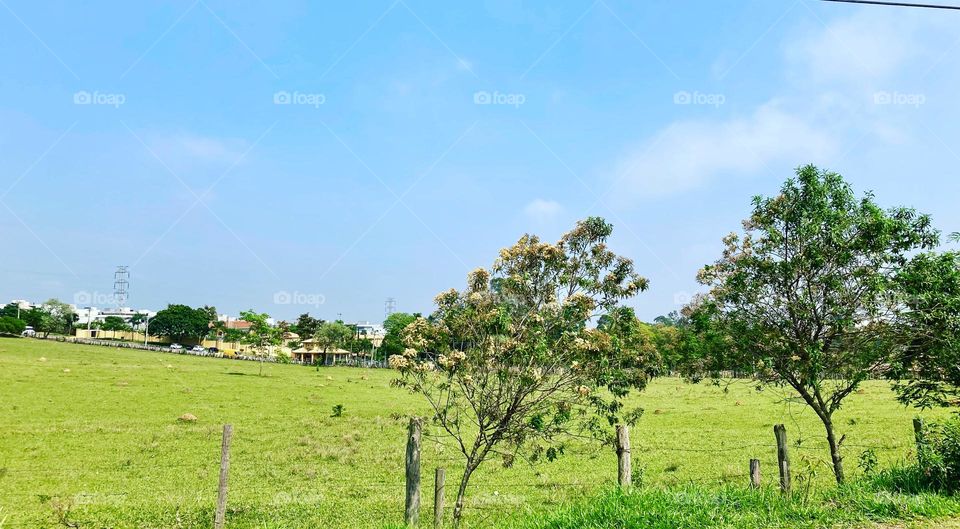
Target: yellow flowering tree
(531,351)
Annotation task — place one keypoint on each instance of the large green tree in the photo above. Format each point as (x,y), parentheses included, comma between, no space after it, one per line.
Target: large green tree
(180,322)
(332,335)
(927,370)
(11,326)
(306,325)
(510,365)
(393,326)
(10,309)
(53,316)
(806,295)
(115,323)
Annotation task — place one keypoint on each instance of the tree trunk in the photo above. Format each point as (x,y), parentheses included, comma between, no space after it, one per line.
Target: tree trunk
(461,494)
(834,449)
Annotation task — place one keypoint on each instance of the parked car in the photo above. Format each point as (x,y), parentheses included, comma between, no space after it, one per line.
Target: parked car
(213,350)
(176,346)
(198,349)
(28,331)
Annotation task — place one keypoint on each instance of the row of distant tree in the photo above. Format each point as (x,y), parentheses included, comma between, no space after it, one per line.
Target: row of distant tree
(52,316)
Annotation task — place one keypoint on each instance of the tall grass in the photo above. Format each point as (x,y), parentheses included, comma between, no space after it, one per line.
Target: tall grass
(698,507)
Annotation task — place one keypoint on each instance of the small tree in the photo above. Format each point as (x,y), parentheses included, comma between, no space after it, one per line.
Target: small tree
(806,297)
(137,320)
(510,365)
(262,337)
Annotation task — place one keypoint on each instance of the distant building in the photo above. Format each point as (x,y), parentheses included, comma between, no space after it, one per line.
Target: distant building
(86,315)
(371,331)
(22,304)
(310,352)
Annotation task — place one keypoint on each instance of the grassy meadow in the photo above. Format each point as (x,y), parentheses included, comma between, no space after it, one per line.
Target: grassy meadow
(90,436)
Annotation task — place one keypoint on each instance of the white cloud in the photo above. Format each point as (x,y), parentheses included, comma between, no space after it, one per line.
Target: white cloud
(827,109)
(868,46)
(688,154)
(542,210)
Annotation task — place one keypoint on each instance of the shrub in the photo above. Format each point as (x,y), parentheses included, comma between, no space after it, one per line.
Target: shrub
(12,326)
(939,455)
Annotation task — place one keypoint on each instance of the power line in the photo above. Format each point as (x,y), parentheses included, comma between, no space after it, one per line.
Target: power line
(896,4)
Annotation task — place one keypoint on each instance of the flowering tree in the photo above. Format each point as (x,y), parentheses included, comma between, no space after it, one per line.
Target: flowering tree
(510,366)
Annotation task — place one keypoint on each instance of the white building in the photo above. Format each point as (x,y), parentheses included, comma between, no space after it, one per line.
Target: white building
(365,329)
(93,314)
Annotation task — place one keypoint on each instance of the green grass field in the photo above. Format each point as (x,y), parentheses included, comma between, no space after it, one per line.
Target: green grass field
(89,435)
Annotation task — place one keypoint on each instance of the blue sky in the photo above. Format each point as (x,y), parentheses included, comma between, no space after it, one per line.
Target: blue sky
(420,137)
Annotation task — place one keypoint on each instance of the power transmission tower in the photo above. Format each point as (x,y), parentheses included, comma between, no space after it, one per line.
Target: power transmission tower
(121,285)
(389,307)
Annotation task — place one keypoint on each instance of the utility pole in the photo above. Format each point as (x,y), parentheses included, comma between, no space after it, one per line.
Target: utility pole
(146,330)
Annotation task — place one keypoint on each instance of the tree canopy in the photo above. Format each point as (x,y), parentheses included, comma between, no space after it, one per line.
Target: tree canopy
(114,323)
(806,296)
(509,365)
(180,322)
(927,372)
(306,325)
(262,337)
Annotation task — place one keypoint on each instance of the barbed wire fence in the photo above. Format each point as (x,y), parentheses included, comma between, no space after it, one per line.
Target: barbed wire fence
(394,492)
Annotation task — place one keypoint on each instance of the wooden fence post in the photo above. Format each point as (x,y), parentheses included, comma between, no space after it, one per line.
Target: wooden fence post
(918,437)
(755,473)
(783,458)
(624,472)
(438,485)
(220,518)
(412,506)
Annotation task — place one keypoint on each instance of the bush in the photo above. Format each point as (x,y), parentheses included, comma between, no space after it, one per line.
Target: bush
(11,326)
(939,455)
